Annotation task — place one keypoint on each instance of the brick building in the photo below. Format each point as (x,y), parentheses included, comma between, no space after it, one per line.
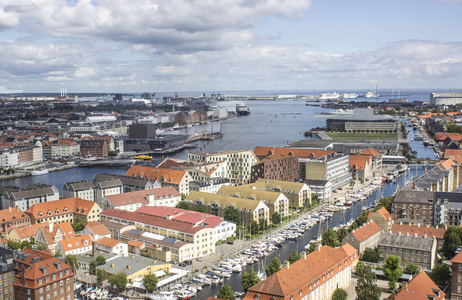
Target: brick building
(276,167)
(456,277)
(12,218)
(96,148)
(41,276)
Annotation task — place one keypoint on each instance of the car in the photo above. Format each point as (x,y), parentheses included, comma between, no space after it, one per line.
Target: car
(340,189)
(199,259)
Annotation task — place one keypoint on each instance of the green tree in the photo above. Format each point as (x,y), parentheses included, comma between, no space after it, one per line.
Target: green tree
(232,214)
(411,269)
(366,286)
(341,234)
(441,274)
(119,280)
(253,227)
(372,255)
(362,218)
(14,245)
(263,225)
(249,279)
(98,261)
(182,205)
(26,244)
(385,202)
(200,208)
(225,292)
(101,275)
(339,294)
(293,257)
(273,267)
(452,241)
(329,238)
(150,282)
(392,270)
(72,261)
(276,218)
(42,247)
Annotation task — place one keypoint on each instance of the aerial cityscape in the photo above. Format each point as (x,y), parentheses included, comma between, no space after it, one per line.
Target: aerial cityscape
(255,150)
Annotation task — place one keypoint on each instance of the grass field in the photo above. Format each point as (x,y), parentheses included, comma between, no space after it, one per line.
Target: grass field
(363,136)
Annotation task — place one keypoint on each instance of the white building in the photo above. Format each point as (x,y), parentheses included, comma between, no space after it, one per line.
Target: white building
(211,185)
(113,246)
(106,188)
(100,119)
(96,230)
(24,198)
(9,158)
(76,245)
(65,148)
(83,189)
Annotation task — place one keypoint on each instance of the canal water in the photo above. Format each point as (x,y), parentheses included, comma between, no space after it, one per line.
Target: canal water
(337,219)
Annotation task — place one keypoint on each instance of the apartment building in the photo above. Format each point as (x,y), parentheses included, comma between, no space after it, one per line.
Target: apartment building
(366,236)
(75,245)
(96,230)
(7,275)
(313,277)
(334,168)
(421,286)
(104,188)
(131,201)
(276,167)
(129,184)
(24,198)
(65,147)
(50,235)
(456,277)
(382,218)
(83,189)
(419,230)
(12,218)
(239,163)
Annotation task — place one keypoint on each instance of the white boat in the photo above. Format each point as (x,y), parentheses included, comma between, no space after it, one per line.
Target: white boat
(39,172)
(349,95)
(242,109)
(338,112)
(329,96)
(370,94)
(176,126)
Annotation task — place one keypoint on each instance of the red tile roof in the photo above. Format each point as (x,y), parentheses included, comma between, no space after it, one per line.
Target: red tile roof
(163,175)
(60,207)
(108,242)
(420,287)
(12,214)
(265,151)
(383,212)
(98,228)
(76,242)
(182,215)
(30,230)
(141,196)
(366,231)
(458,258)
(454,154)
(419,230)
(441,136)
(359,161)
(371,151)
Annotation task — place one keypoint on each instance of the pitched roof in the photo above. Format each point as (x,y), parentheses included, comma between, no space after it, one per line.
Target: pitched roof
(271,184)
(98,228)
(182,215)
(454,154)
(371,151)
(223,201)
(420,287)
(76,242)
(265,151)
(458,258)
(253,194)
(163,175)
(59,207)
(302,273)
(406,241)
(446,164)
(359,161)
(419,230)
(108,242)
(141,196)
(366,231)
(382,212)
(30,230)
(12,214)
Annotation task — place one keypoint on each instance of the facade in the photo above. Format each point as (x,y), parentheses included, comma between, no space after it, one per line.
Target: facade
(276,201)
(411,249)
(366,236)
(411,229)
(201,238)
(262,152)
(210,185)
(167,177)
(64,210)
(222,229)
(106,188)
(361,167)
(377,158)
(26,233)
(9,158)
(129,184)
(94,147)
(131,201)
(65,148)
(284,168)
(12,218)
(76,245)
(249,210)
(239,163)
(421,286)
(24,198)
(362,120)
(298,193)
(83,189)
(96,230)
(445,98)
(456,277)
(422,206)
(322,189)
(382,218)
(313,277)
(7,275)
(41,276)
(334,168)
(110,245)
(49,235)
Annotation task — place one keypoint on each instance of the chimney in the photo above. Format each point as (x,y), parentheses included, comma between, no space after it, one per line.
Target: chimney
(50,226)
(399,233)
(128,266)
(415,234)
(400,223)
(303,255)
(420,270)
(318,247)
(405,286)
(418,224)
(93,249)
(425,235)
(286,264)
(9,209)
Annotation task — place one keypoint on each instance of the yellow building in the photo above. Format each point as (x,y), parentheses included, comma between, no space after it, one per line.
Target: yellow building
(26,233)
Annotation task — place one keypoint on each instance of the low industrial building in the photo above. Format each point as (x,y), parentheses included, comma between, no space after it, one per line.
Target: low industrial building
(362,120)
(445,98)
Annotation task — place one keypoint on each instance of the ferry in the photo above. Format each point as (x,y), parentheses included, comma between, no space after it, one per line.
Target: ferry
(329,96)
(145,157)
(349,95)
(242,109)
(338,112)
(39,172)
(370,94)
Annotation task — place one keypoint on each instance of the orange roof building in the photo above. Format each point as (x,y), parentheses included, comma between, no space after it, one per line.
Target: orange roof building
(49,235)
(420,287)
(366,236)
(26,233)
(456,284)
(75,245)
(167,177)
(11,218)
(411,229)
(454,154)
(96,230)
(382,218)
(262,152)
(313,274)
(113,246)
(361,167)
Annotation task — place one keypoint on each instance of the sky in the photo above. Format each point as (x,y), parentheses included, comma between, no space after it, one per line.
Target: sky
(134,46)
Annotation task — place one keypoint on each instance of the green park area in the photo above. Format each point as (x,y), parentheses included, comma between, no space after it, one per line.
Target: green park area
(362,136)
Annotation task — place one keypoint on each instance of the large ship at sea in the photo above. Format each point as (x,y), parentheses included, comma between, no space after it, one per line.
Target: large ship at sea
(329,96)
(338,112)
(242,109)
(370,94)
(349,95)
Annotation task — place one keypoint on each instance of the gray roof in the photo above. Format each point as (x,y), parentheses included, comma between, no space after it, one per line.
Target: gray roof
(109,183)
(80,185)
(313,144)
(413,196)
(314,182)
(406,241)
(126,180)
(33,191)
(136,264)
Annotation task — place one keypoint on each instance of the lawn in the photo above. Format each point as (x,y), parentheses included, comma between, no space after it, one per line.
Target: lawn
(363,136)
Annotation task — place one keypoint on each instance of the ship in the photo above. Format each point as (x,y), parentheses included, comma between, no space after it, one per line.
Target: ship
(329,96)
(39,172)
(242,109)
(338,112)
(370,94)
(350,95)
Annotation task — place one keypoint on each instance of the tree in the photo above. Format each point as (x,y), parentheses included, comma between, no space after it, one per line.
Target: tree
(150,282)
(385,202)
(263,225)
(119,280)
(200,208)
(101,275)
(411,269)
(42,247)
(98,261)
(253,227)
(26,244)
(273,267)
(276,218)
(293,257)
(249,279)
(392,270)
(232,214)
(441,274)
(329,238)
(366,286)
(182,205)
(362,218)
(341,234)
(372,255)
(452,241)
(225,292)
(14,245)
(72,261)
(339,294)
